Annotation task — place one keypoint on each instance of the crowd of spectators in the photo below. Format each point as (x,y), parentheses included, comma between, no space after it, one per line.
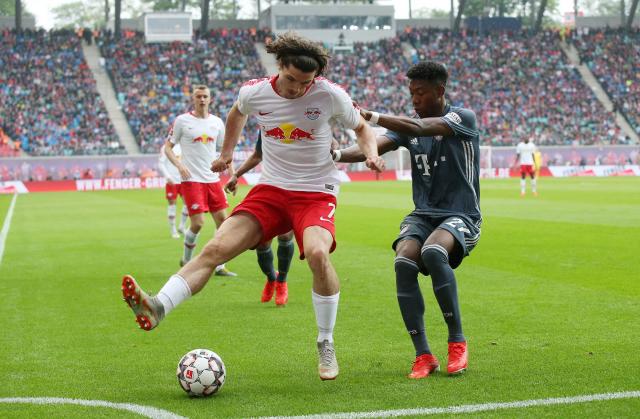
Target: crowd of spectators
(519,85)
(49,103)
(613,56)
(153,81)
(374,76)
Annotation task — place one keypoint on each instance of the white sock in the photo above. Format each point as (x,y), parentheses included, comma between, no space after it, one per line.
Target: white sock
(326,308)
(189,244)
(534,184)
(171,215)
(175,291)
(523,185)
(185,216)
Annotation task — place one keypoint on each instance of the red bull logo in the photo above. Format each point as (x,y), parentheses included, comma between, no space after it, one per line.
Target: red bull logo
(204,139)
(288,133)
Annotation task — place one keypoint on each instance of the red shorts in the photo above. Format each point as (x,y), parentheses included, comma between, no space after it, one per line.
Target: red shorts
(527,169)
(203,197)
(278,211)
(172,190)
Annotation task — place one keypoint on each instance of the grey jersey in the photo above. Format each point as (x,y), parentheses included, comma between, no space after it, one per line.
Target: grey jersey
(445,171)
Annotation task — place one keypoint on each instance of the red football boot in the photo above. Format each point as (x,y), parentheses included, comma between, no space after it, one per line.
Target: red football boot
(282,293)
(424,365)
(458,357)
(267,292)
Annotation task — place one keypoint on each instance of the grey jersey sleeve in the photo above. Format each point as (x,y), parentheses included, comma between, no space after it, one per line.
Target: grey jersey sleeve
(462,122)
(401,140)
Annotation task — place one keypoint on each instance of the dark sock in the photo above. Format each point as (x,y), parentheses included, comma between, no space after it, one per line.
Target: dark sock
(285,255)
(436,260)
(265,261)
(411,303)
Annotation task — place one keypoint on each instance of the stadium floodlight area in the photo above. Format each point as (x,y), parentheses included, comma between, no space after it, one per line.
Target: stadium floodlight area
(168,27)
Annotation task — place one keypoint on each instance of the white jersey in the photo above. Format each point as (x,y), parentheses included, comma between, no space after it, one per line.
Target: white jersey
(296,133)
(525,151)
(197,138)
(168,170)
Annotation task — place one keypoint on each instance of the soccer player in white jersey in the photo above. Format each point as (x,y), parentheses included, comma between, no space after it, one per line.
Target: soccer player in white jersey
(525,155)
(197,133)
(297,189)
(172,191)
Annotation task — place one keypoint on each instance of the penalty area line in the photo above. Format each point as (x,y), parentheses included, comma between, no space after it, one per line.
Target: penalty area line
(470,408)
(5,227)
(148,411)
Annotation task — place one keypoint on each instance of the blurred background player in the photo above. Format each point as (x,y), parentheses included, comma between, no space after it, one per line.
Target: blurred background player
(297,190)
(276,282)
(525,155)
(443,142)
(197,133)
(172,191)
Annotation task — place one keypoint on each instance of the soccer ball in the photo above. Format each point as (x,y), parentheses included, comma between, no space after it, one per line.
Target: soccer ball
(201,372)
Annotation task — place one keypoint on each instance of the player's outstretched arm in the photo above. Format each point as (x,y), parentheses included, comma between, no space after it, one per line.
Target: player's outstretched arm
(425,127)
(233,128)
(367,144)
(353,154)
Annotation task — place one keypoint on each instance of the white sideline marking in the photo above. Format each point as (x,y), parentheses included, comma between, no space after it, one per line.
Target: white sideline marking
(470,408)
(148,411)
(5,227)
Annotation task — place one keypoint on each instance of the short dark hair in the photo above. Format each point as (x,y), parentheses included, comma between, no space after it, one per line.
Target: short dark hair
(292,49)
(430,71)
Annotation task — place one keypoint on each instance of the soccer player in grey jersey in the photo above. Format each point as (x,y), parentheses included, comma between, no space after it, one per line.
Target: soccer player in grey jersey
(443,143)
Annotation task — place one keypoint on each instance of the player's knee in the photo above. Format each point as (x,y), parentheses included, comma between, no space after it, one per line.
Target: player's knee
(196,225)
(287,237)
(434,256)
(215,252)
(316,257)
(409,249)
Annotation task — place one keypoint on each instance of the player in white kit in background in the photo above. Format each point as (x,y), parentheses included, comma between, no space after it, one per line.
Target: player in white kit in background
(525,156)
(197,133)
(172,191)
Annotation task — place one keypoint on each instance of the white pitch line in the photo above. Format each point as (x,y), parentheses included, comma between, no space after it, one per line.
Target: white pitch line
(469,408)
(5,227)
(148,411)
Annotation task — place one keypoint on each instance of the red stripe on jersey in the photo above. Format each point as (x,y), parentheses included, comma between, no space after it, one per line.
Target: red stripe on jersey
(254,81)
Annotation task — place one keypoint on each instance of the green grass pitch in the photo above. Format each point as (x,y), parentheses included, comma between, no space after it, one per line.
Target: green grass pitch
(550,300)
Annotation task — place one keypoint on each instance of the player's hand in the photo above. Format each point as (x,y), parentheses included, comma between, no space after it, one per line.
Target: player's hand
(220,164)
(375,163)
(365,114)
(184,172)
(232,185)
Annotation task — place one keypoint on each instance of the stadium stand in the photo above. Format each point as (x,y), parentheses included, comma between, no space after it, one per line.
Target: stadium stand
(519,85)
(153,81)
(48,101)
(614,58)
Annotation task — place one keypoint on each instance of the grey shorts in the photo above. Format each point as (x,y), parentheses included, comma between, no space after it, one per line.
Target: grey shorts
(419,227)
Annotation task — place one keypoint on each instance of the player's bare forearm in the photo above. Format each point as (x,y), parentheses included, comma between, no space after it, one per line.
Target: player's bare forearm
(367,144)
(248,164)
(424,127)
(168,151)
(353,154)
(233,128)
(366,140)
